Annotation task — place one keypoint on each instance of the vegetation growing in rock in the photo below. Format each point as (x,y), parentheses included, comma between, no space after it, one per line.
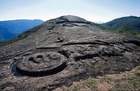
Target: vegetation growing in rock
(113,82)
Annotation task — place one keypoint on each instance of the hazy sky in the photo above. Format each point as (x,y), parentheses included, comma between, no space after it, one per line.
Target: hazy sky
(93,10)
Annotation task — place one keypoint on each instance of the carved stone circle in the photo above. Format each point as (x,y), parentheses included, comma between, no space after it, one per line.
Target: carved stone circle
(42,64)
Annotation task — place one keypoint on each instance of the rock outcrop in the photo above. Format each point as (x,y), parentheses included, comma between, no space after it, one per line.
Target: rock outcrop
(64,50)
(41,64)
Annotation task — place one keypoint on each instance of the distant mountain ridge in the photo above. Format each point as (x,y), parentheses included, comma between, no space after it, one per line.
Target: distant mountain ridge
(130,22)
(11,28)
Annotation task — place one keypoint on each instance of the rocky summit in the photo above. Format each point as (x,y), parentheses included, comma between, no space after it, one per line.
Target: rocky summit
(64,50)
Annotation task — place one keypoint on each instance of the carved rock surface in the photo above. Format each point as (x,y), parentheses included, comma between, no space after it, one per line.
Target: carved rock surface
(64,50)
(41,64)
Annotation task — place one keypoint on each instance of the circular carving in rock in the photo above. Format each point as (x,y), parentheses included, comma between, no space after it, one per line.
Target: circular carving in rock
(41,64)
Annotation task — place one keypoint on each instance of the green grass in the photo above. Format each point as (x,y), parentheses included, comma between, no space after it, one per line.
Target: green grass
(90,83)
(128,32)
(121,30)
(105,79)
(131,84)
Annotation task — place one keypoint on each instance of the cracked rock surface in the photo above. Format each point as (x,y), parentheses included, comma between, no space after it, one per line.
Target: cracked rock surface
(64,50)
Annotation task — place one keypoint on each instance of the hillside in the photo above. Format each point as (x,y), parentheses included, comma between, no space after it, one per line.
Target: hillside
(130,22)
(125,25)
(66,50)
(10,29)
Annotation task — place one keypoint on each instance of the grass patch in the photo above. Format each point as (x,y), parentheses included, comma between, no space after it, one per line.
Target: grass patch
(90,83)
(128,83)
(105,79)
(137,71)
(131,83)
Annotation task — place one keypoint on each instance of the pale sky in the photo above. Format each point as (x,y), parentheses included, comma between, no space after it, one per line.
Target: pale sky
(92,10)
